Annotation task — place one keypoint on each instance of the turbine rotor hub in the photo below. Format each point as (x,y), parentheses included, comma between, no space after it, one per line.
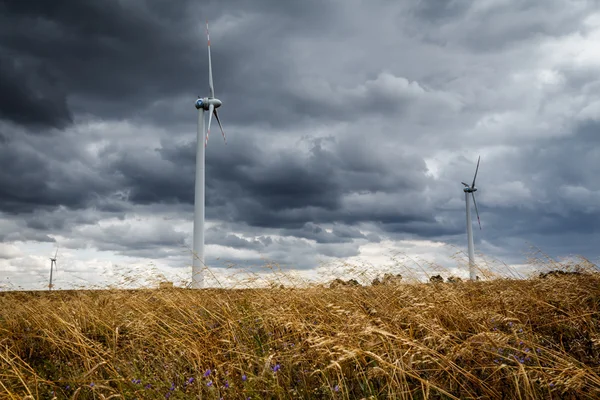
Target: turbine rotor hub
(204,103)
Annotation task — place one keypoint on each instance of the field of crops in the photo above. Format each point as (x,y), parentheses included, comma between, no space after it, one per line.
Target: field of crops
(534,338)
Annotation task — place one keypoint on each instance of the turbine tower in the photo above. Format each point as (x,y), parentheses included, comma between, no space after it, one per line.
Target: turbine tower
(52,266)
(209,104)
(471,190)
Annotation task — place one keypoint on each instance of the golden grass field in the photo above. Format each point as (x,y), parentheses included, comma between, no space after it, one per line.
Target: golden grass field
(501,338)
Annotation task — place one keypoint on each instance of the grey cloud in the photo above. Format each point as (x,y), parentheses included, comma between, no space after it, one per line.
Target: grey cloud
(217,235)
(35,173)
(131,236)
(492,26)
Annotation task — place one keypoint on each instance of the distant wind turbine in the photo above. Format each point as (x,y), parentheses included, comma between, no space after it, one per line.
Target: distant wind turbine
(52,266)
(471,190)
(209,104)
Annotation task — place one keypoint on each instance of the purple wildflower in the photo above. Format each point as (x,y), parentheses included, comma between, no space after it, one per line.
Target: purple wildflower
(226,384)
(276,368)
(92,384)
(172,386)
(148,386)
(244,378)
(336,388)
(207,373)
(190,381)
(209,383)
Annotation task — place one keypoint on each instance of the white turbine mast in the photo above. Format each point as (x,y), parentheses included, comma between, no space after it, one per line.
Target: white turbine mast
(52,267)
(209,104)
(471,189)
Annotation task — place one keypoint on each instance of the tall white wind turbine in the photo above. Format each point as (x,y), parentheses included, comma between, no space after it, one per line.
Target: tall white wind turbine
(52,267)
(209,104)
(471,189)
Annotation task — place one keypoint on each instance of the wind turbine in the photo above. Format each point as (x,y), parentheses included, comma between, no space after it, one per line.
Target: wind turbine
(471,190)
(52,266)
(209,104)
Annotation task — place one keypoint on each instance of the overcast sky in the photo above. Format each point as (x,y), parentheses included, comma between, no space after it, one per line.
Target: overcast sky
(350,125)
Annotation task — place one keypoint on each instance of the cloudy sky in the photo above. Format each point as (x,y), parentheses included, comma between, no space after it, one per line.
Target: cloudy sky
(350,125)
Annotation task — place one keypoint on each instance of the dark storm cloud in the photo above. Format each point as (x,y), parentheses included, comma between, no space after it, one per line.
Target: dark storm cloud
(35,174)
(100,51)
(115,59)
(286,188)
(31,95)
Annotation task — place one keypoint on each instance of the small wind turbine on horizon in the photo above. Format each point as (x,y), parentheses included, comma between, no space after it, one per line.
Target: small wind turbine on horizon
(209,104)
(52,267)
(471,189)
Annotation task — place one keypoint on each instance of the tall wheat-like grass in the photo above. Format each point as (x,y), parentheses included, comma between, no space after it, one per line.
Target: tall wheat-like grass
(522,339)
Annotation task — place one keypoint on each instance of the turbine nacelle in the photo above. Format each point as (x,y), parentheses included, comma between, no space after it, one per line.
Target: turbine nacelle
(204,103)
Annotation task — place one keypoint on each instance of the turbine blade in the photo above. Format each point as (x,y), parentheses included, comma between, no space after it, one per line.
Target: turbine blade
(476,210)
(211,108)
(476,169)
(55,254)
(211,87)
(465,184)
(220,126)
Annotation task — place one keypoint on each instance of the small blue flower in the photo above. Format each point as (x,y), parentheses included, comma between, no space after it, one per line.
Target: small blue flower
(244,378)
(276,368)
(207,373)
(148,386)
(92,384)
(226,384)
(209,383)
(172,386)
(336,388)
(190,381)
